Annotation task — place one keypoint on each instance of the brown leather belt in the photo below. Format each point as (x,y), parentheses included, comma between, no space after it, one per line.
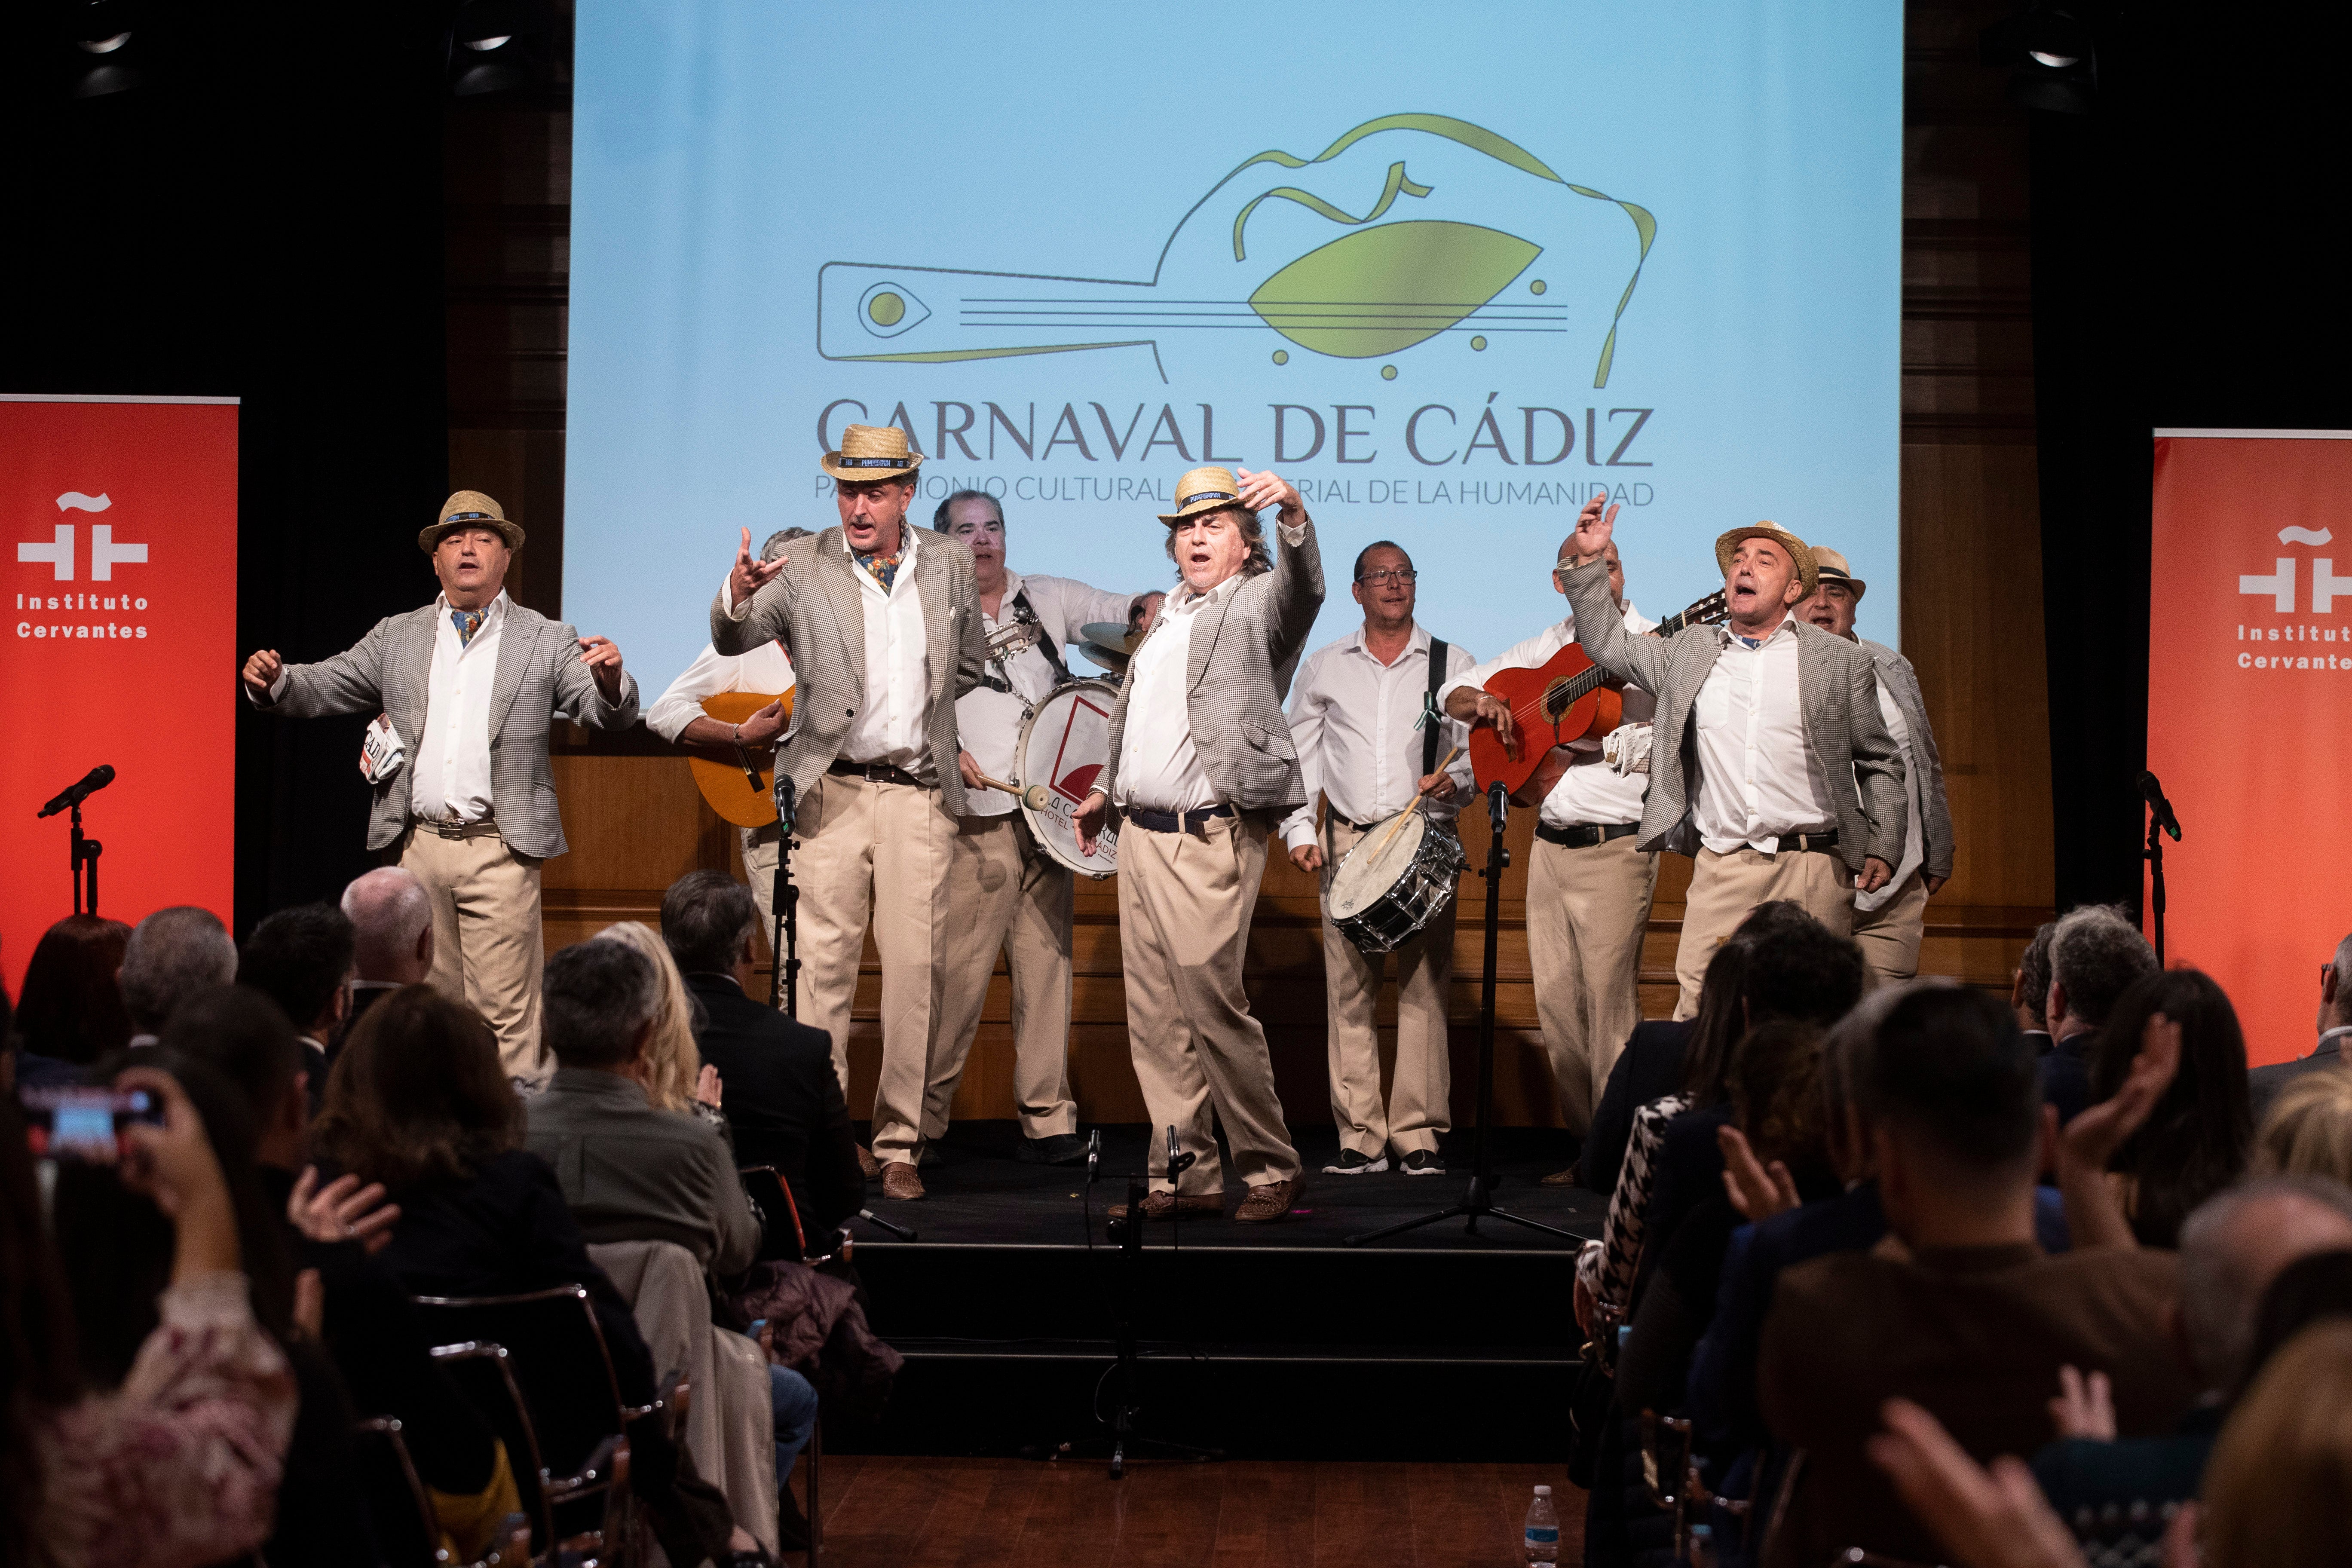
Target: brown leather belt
(1175,822)
(1586,836)
(877,773)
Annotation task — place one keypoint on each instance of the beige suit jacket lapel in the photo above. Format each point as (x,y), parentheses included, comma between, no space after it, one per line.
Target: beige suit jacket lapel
(837,576)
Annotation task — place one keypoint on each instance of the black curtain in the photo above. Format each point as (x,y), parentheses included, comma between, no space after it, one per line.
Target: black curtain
(2189,272)
(259,217)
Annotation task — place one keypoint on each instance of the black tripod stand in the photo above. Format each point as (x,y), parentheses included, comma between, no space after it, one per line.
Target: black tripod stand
(1479,1201)
(86,852)
(2161,821)
(784,939)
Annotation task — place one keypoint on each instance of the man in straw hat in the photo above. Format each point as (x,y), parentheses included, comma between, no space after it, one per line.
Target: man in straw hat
(466,686)
(1888,923)
(1771,765)
(882,622)
(1201,768)
(1004,893)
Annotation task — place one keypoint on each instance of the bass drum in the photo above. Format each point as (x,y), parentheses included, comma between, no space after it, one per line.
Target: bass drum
(1065,747)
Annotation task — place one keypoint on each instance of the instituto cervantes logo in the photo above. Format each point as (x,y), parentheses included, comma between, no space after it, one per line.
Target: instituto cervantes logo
(2282,587)
(93,612)
(1426,260)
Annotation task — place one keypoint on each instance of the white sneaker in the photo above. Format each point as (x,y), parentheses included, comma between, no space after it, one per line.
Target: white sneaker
(1351,1164)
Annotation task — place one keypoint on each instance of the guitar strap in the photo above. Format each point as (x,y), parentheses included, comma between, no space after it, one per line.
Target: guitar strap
(996,677)
(1430,715)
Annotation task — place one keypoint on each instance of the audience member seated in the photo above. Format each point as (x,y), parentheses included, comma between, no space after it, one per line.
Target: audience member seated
(2095,956)
(1968,1318)
(2335,1027)
(303,960)
(782,1097)
(391,928)
(418,1101)
(178,1466)
(2307,1130)
(1649,1067)
(629,1172)
(675,1077)
(69,1014)
(2231,1250)
(368,1326)
(172,954)
(2274,1492)
(2028,989)
(2198,1136)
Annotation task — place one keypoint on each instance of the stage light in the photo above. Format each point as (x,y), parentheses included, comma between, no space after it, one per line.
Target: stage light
(103,29)
(2053,54)
(489,47)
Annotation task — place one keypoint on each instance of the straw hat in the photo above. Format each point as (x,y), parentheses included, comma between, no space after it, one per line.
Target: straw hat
(1831,567)
(470,509)
(1807,573)
(872,452)
(1204,489)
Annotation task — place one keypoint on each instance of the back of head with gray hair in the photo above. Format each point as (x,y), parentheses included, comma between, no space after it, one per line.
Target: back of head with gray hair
(172,954)
(2094,955)
(2034,972)
(390,911)
(2233,1245)
(598,997)
(705,917)
(778,540)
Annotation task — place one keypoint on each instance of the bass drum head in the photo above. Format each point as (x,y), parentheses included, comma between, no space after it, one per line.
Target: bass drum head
(1375,865)
(1066,746)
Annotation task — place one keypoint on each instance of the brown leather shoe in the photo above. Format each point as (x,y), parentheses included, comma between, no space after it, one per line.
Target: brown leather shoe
(1568,1178)
(867,1164)
(1267,1204)
(899,1181)
(1167,1205)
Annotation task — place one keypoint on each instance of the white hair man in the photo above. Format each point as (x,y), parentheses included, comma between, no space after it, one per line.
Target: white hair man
(2334,1028)
(172,954)
(2094,955)
(1005,894)
(393,915)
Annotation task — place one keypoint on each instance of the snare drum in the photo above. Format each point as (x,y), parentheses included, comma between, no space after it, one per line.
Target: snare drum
(1064,746)
(1388,888)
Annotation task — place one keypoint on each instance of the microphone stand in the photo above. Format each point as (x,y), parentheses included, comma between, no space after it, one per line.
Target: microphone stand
(86,852)
(1479,1202)
(2154,856)
(784,939)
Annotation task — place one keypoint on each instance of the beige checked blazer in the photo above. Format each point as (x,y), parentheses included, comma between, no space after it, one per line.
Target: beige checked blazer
(540,679)
(1237,675)
(1837,692)
(815,609)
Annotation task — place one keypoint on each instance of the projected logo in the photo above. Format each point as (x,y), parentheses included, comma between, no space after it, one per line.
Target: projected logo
(1465,241)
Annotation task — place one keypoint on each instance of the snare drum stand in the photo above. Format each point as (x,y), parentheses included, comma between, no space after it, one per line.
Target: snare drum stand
(784,938)
(1479,1201)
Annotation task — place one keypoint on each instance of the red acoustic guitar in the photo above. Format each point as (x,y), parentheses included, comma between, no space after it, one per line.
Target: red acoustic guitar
(1568,698)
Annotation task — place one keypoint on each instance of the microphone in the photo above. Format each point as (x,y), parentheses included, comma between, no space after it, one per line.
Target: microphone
(1179,1162)
(1498,806)
(2153,793)
(787,803)
(97,779)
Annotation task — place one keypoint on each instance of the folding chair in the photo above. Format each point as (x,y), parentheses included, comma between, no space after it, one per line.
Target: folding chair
(563,1424)
(403,1511)
(767,1188)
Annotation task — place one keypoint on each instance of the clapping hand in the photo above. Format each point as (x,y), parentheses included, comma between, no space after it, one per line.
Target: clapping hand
(1757,1191)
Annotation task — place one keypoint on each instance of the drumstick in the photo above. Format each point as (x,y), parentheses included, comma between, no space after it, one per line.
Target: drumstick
(1024,795)
(1398,825)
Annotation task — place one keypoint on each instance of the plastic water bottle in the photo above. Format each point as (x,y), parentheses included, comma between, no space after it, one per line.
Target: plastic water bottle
(1543,1531)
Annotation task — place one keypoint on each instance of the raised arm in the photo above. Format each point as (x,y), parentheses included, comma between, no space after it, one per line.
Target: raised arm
(1298,565)
(753,603)
(1599,624)
(590,688)
(349,682)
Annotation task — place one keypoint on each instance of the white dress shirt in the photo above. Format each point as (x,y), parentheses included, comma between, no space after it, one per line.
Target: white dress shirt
(1356,723)
(450,775)
(989,721)
(1158,770)
(1591,794)
(1758,776)
(766,668)
(1915,836)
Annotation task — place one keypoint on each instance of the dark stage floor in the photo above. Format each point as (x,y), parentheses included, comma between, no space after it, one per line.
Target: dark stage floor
(979,1194)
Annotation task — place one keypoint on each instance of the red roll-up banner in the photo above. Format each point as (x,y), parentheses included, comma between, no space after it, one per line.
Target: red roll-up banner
(121,638)
(2250,713)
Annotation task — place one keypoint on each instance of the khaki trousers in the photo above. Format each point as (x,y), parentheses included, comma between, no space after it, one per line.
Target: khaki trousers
(1184,905)
(1890,934)
(1725,888)
(1005,895)
(760,870)
(863,848)
(487,947)
(1586,911)
(1419,1105)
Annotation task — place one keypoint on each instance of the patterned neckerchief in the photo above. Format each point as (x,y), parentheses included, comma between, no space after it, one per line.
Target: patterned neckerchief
(467,623)
(883,569)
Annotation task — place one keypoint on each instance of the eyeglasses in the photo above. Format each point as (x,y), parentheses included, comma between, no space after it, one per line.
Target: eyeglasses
(1393,575)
